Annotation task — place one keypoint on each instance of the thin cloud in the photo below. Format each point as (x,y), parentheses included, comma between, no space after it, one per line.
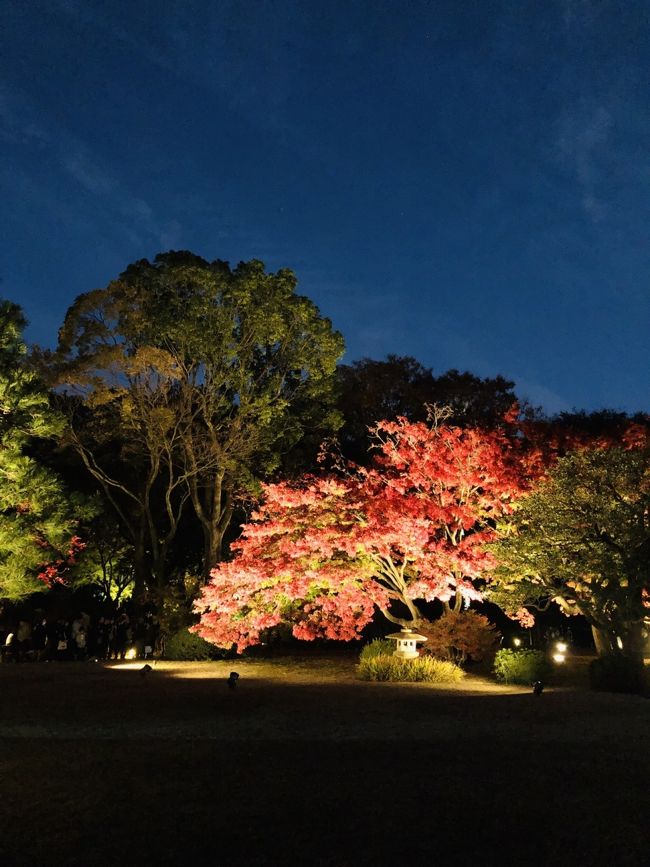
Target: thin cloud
(578,13)
(212,54)
(135,215)
(583,143)
(18,123)
(82,169)
(539,395)
(21,124)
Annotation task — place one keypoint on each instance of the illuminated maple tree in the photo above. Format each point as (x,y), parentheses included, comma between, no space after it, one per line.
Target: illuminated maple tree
(325,553)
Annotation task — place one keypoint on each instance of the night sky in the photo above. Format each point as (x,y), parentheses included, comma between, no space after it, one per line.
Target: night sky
(465,182)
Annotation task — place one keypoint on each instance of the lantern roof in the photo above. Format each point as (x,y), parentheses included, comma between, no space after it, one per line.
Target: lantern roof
(407,635)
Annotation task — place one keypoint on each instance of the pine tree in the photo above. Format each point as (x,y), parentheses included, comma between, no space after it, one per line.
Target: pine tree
(37,518)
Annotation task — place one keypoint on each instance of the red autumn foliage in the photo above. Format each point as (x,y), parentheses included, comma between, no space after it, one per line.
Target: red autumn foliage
(324,553)
(55,571)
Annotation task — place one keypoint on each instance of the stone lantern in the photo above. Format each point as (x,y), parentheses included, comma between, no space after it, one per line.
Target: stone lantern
(407,641)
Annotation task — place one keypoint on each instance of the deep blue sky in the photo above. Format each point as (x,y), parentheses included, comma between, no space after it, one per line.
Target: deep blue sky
(465,182)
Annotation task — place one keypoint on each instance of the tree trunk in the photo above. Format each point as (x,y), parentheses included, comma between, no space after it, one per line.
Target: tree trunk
(212,543)
(627,641)
(602,640)
(408,623)
(400,621)
(159,567)
(633,642)
(216,521)
(213,506)
(141,571)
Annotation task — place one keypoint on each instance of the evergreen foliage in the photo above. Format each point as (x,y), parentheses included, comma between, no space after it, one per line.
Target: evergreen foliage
(37,517)
(582,539)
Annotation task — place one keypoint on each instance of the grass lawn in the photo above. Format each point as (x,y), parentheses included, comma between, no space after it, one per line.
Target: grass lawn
(302,764)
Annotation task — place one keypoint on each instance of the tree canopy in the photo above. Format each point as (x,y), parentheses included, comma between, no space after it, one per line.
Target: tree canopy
(38,518)
(192,379)
(186,384)
(324,553)
(582,540)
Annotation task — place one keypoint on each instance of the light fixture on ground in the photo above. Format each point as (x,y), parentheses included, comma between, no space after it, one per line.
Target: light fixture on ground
(407,642)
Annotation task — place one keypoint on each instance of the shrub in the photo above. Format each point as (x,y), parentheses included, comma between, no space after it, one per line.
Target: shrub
(422,669)
(521,666)
(186,646)
(175,611)
(378,647)
(617,673)
(461,636)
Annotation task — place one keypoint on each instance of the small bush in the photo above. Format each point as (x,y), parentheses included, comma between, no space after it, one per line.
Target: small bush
(378,647)
(616,673)
(186,646)
(461,636)
(175,612)
(423,669)
(521,666)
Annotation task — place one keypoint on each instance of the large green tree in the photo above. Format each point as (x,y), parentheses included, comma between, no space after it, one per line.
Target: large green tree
(38,518)
(582,540)
(192,379)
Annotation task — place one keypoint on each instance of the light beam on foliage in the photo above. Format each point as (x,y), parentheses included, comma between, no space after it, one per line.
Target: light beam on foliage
(325,553)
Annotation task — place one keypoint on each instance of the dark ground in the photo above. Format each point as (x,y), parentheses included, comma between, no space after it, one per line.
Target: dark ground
(303,765)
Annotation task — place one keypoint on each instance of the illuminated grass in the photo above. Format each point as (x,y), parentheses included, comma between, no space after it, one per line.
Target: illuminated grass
(424,669)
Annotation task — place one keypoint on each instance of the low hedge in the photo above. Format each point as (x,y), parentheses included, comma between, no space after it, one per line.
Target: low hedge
(185,646)
(521,666)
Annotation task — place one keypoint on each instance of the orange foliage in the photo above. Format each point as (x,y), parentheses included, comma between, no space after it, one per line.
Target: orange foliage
(461,636)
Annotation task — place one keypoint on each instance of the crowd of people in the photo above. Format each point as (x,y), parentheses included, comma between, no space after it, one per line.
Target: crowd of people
(118,636)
